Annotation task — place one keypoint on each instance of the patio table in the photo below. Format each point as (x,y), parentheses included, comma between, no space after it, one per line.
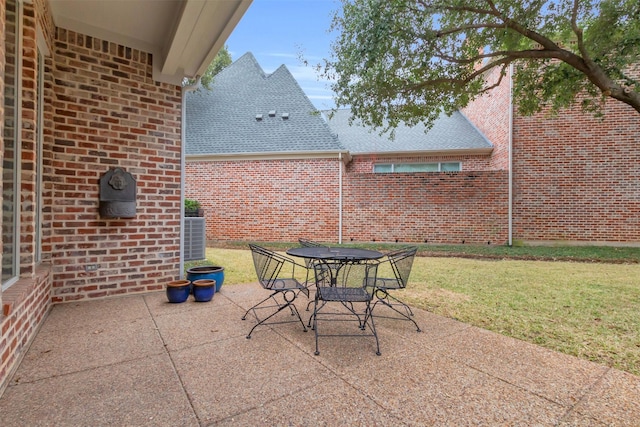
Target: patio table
(334,257)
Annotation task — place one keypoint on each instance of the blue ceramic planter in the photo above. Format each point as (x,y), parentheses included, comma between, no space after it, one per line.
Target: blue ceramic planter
(204,289)
(178,291)
(211,272)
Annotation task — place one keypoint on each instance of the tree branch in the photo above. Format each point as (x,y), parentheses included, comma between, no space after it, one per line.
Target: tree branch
(578,32)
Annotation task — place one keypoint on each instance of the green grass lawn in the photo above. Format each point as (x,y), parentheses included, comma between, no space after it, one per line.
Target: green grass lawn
(587,309)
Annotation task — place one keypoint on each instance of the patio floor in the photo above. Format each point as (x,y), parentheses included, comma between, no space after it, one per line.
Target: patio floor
(139,360)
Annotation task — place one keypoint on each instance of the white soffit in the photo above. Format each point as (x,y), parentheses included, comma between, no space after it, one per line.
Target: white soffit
(183,35)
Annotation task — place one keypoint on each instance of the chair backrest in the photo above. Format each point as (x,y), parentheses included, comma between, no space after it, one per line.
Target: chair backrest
(401,263)
(348,275)
(268,265)
(306,243)
(310,243)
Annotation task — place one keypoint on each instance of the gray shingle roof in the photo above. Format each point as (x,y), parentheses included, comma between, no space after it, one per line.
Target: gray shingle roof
(223,120)
(448,133)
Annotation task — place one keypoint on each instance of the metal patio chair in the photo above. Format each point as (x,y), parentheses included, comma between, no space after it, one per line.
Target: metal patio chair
(276,273)
(346,298)
(400,262)
(310,243)
(313,264)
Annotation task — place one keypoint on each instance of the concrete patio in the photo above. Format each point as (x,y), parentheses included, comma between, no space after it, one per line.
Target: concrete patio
(139,360)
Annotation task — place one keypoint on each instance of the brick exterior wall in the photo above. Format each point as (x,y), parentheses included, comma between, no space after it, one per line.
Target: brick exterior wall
(490,114)
(282,200)
(267,200)
(110,113)
(26,302)
(451,207)
(577,178)
(102,110)
(365,163)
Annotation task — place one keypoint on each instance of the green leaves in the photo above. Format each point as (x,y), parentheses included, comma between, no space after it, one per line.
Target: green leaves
(402,60)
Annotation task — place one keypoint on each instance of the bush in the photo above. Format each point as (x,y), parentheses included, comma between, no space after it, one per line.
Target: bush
(192,207)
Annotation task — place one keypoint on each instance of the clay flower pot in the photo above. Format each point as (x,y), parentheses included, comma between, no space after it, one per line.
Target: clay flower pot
(204,289)
(178,291)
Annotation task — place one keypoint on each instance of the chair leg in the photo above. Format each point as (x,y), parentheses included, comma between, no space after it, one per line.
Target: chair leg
(289,296)
(384,297)
(362,324)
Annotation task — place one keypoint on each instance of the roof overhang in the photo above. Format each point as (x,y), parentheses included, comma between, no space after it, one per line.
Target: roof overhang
(451,152)
(182,35)
(293,155)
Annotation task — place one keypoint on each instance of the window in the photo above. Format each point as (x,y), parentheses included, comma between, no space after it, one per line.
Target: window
(11,161)
(417,167)
(39,154)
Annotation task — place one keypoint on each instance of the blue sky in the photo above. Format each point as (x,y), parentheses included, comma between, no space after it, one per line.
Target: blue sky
(279,31)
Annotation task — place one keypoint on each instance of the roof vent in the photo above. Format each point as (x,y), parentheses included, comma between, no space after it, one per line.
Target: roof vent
(272,113)
(285,116)
(258,117)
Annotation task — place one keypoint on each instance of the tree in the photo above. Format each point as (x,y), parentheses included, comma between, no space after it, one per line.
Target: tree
(409,60)
(222,60)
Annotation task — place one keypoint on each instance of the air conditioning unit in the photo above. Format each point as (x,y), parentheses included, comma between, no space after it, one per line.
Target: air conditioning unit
(195,242)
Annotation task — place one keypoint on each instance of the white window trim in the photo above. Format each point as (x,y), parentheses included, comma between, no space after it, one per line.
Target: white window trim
(393,166)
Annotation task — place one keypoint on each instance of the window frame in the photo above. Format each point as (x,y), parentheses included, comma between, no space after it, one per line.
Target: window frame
(40,54)
(393,167)
(17,157)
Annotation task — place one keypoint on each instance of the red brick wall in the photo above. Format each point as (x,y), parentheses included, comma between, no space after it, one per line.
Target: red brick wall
(110,113)
(281,200)
(576,177)
(453,207)
(364,163)
(267,200)
(490,114)
(27,301)
(24,307)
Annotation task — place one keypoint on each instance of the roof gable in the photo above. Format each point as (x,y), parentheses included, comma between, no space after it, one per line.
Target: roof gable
(249,111)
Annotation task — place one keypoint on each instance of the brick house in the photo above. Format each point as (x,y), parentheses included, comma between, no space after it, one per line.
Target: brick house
(254,145)
(88,87)
(539,179)
(256,148)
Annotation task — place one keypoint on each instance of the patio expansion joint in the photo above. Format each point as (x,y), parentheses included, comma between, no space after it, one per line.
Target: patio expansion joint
(292,393)
(173,363)
(586,391)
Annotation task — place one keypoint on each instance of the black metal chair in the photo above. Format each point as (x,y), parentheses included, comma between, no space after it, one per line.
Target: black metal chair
(310,243)
(276,273)
(311,263)
(350,287)
(401,262)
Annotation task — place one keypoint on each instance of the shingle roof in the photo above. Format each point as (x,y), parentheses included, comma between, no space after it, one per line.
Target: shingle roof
(223,120)
(453,132)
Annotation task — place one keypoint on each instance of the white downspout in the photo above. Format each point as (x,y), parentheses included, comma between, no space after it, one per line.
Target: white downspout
(510,136)
(183,137)
(340,199)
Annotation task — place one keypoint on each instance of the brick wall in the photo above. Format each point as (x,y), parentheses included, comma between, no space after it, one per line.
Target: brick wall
(102,110)
(490,114)
(364,163)
(452,207)
(26,302)
(576,177)
(25,305)
(109,113)
(267,200)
